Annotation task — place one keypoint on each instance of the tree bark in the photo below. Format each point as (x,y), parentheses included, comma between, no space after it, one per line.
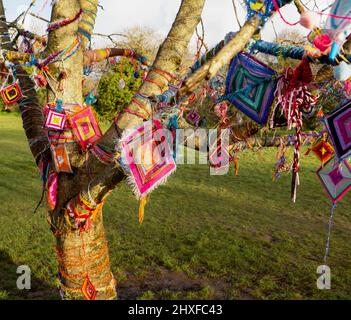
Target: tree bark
(85,254)
(81,253)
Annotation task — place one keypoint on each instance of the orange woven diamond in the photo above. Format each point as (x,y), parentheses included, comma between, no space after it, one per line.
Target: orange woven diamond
(324,151)
(88,289)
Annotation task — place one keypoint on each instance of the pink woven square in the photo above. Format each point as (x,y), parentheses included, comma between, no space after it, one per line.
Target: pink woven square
(146,154)
(55,120)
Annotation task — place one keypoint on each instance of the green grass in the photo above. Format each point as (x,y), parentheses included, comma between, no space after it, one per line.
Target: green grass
(203,237)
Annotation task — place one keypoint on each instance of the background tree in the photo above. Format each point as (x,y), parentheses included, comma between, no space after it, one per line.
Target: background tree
(142,39)
(117,88)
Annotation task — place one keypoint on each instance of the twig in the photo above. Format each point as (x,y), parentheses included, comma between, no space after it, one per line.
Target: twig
(236,14)
(38,17)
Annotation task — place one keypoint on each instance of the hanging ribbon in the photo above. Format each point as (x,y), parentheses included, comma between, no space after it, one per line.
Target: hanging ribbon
(293,97)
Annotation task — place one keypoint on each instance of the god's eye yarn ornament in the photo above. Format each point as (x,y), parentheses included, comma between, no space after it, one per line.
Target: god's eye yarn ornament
(194,117)
(11,94)
(338,124)
(146,156)
(336,179)
(88,289)
(55,120)
(324,151)
(85,127)
(250,87)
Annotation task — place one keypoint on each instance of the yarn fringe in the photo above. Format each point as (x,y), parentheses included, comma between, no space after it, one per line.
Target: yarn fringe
(132,183)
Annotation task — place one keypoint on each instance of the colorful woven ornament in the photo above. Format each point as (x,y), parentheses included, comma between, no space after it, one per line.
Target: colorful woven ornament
(324,151)
(250,87)
(88,289)
(55,120)
(219,157)
(338,124)
(52,189)
(61,159)
(11,94)
(85,127)
(194,117)
(146,156)
(336,179)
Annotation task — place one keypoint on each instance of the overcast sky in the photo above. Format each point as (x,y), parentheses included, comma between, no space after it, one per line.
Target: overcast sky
(218,16)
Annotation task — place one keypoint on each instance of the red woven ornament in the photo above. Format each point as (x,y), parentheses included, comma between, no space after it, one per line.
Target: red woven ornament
(88,289)
(11,94)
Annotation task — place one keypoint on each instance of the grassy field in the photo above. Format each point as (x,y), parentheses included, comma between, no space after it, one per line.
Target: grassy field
(203,237)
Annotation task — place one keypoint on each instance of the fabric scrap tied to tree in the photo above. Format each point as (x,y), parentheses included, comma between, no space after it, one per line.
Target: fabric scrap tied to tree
(250,87)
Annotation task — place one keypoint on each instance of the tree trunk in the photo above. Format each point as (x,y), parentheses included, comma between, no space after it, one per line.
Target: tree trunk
(82,254)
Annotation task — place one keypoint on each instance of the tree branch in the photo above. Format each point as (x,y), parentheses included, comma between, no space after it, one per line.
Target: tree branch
(30,108)
(168,59)
(212,67)
(93,56)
